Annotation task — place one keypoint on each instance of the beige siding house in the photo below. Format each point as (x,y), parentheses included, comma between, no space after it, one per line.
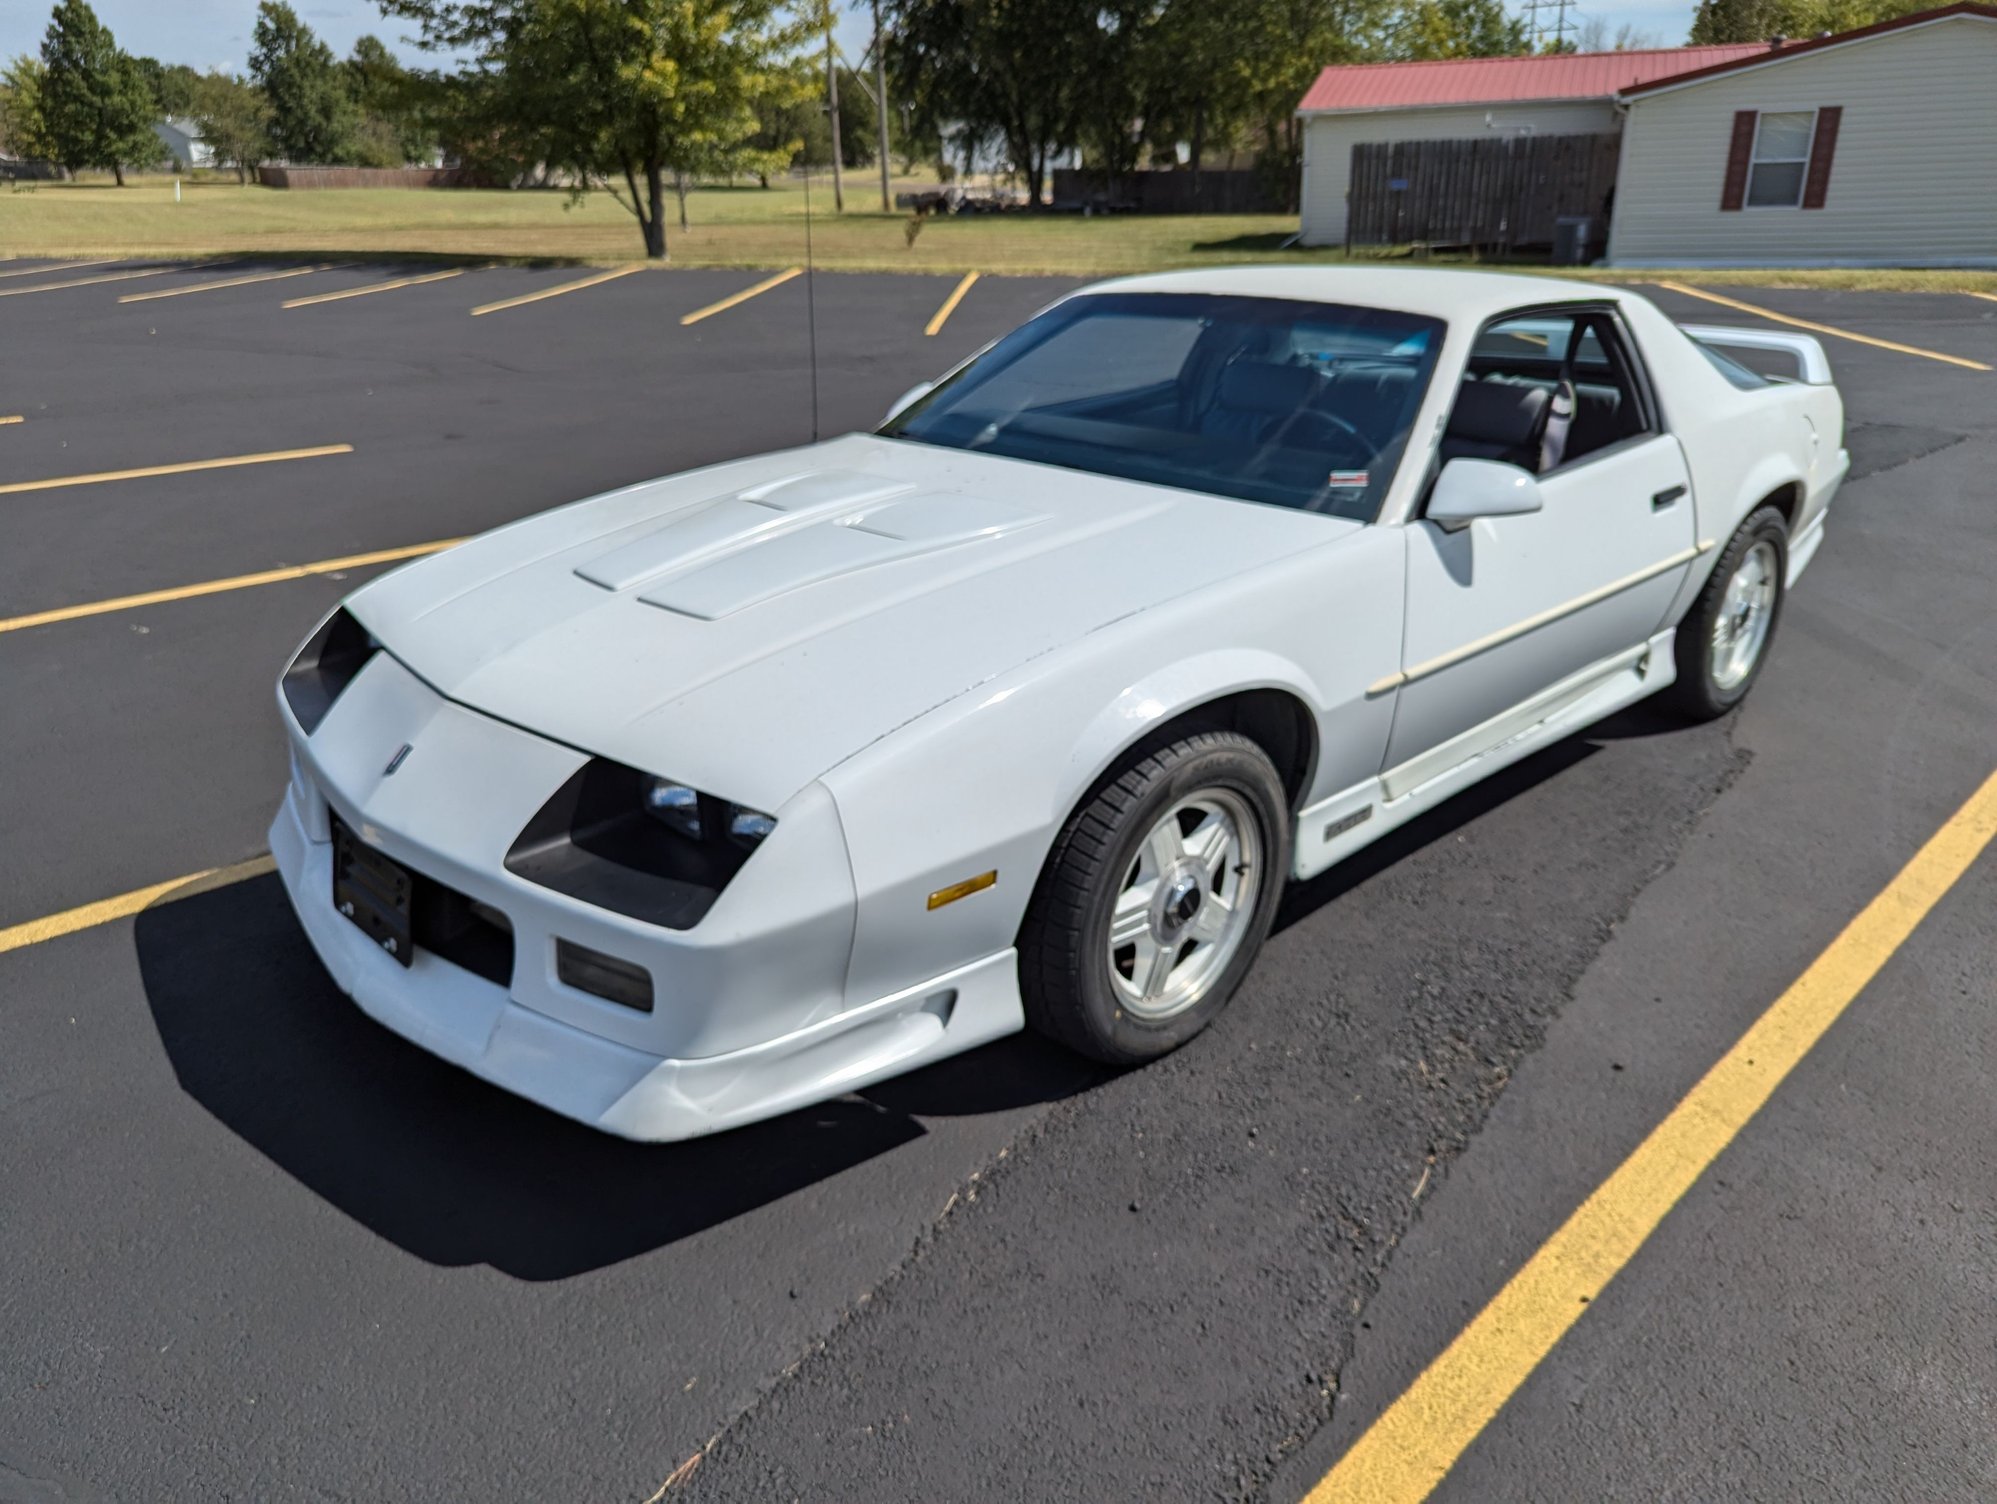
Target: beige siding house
(1875,147)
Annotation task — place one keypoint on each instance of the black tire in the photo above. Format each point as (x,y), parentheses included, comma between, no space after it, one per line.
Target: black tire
(1064,960)
(1699,693)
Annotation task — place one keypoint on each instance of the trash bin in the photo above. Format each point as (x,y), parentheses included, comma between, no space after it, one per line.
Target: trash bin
(1573,240)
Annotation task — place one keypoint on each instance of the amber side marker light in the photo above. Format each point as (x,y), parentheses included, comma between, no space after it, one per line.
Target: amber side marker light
(964,889)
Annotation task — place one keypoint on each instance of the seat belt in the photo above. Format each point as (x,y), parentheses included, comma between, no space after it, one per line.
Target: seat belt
(1559,418)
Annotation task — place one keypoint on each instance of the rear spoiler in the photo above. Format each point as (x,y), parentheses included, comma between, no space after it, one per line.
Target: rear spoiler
(1813,367)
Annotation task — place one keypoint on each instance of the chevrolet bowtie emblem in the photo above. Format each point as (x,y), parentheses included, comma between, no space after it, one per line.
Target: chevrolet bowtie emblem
(401,754)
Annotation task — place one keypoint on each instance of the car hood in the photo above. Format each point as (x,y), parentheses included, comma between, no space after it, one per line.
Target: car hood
(746,627)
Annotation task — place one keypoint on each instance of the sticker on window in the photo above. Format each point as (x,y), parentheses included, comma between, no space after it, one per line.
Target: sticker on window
(1346,478)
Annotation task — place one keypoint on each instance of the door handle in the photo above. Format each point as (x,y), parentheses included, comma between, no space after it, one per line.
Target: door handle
(1666,497)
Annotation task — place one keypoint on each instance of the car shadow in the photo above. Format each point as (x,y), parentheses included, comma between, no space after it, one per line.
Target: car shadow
(1304,899)
(458,1172)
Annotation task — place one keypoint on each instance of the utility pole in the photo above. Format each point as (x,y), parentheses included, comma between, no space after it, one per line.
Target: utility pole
(1548,25)
(881,104)
(832,106)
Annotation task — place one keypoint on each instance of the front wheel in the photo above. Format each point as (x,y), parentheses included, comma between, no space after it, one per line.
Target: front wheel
(1724,638)
(1155,899)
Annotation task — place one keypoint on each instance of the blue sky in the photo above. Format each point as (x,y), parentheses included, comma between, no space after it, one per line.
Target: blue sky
(216,33)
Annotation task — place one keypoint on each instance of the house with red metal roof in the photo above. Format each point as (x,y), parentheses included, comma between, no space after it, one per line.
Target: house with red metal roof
(1873,147)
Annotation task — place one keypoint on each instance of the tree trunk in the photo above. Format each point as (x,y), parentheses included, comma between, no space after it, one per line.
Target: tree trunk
(118,172)
(679,188)
(654,220)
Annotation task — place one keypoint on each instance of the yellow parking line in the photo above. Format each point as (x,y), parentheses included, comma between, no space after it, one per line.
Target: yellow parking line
(151,271)
(950,304)
(1830,329)
(226,462)
(1988,297)
(1411,1448)
(15,418)
(555,292)
(742,297)
(90,915)
(177,292)
(60,266)
(219,587)
(372,287)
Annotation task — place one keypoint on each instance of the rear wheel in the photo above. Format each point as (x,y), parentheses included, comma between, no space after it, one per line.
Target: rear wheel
(1155,899)
(1723,640)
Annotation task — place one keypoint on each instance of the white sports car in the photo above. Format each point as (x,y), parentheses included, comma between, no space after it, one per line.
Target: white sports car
(725,793)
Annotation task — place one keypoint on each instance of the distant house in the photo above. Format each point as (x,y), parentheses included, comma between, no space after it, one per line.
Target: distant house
(1571,93)
(182,139)
(1875,147)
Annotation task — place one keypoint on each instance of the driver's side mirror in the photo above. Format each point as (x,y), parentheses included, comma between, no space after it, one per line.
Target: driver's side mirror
(920,389)
(1468,489)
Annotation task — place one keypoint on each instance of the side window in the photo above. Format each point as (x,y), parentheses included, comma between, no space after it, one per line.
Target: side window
(1609,403)
(1543,391)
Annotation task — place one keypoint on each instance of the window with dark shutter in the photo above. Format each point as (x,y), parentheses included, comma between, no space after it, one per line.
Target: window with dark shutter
(1739,153)
(1781,158)
(1823,145)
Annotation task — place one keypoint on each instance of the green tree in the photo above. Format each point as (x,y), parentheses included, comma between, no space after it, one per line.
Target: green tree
(96,108)
(1121,64)
(1760,20)
(1003,69)
(1458,28)
(312,114)
(473,127)
(172,85)
(21,130)
(1204,104)
(392,129)
(1220,76)
(1719,21)
(625,93)
(858,127)
(791,127)
(234,120)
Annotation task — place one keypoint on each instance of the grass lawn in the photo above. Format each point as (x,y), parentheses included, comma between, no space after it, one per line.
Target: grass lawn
(749,227)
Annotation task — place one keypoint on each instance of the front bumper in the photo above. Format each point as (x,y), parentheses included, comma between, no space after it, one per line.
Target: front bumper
(751,1015)
(473,1023)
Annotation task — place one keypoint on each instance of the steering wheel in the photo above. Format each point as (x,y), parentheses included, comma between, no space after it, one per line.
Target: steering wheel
(1335,433)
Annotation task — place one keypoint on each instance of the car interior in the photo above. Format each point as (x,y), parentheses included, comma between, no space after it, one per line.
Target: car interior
(1238,396)
(1542,391)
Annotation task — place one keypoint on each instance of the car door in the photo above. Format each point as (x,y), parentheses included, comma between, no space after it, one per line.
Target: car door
(1509,609)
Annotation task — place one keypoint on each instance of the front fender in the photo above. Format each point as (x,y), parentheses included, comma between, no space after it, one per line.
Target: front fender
(985,785)
(984,782)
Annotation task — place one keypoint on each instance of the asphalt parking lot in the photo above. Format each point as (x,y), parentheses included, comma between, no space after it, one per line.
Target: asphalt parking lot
(258,1248)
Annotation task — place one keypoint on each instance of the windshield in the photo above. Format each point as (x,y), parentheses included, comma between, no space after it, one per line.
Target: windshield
(1303,405)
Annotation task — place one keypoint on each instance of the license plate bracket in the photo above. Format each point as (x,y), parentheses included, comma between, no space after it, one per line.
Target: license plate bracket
(374,892)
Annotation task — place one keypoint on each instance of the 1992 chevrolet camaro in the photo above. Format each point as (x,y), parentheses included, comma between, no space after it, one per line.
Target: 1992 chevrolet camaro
(725,793)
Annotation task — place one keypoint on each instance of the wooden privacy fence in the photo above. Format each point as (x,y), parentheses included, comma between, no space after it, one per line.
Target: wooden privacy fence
(1501,191)
(1180,191)
(363,177)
